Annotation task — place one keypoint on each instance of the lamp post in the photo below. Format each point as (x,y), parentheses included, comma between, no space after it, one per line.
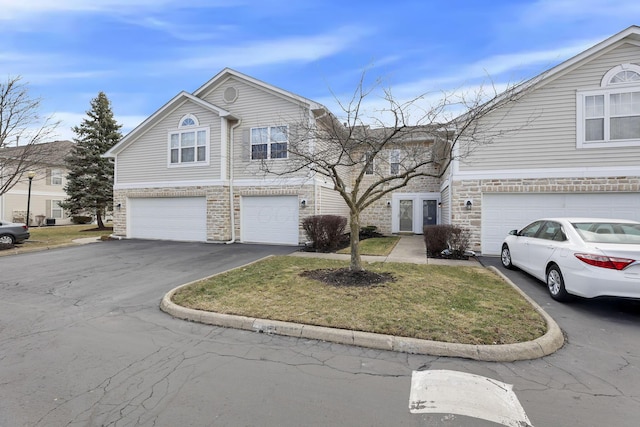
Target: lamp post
(30,175)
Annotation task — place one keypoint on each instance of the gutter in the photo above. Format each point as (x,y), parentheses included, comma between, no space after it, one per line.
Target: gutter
(231,211)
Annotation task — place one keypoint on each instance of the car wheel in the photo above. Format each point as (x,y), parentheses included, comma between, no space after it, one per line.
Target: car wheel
(7,239)
(555,284)
(505,257)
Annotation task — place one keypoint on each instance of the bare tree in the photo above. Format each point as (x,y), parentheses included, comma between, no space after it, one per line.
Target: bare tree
(367,157)
(22,131)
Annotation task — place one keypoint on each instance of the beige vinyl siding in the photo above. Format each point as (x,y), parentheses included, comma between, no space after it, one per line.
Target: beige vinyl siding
(445,210)
(147,159)
(331,203)
(550,140)
(258,107)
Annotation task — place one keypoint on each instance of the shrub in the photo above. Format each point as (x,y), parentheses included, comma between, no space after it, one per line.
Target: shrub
(437,238)
(81,219)
(325,231)
(369,232)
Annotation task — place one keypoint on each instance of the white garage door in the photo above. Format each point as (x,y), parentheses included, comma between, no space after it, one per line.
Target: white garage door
(504,212)
(270,219)
(168,218)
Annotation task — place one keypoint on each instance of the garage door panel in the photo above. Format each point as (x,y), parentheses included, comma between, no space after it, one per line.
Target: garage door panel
(502,212)
(270,219)
(175,218)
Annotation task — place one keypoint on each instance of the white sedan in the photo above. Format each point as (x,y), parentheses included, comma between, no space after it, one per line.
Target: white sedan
(588,257)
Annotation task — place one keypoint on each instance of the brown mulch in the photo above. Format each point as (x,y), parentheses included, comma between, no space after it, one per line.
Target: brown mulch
(346,277)
(99,229)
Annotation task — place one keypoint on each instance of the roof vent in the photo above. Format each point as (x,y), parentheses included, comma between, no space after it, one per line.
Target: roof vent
(230,94)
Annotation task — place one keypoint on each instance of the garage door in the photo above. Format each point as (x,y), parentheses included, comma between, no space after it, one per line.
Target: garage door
(168,218)
(504,212)
(270,219)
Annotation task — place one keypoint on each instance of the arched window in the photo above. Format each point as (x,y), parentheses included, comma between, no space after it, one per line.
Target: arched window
(610,116)
(189,144)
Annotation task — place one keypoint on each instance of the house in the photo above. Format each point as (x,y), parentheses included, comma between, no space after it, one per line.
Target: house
(578,156)
(192,171)
(47,186)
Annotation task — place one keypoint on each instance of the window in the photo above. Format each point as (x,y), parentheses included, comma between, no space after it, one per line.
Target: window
(189,145)
(56,177)
(394,162)
(531,230)
(56,209)
(610,117)
(269,142)
(368,158)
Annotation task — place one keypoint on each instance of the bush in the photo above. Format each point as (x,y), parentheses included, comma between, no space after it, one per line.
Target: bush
(369,232)
(325,231)
(81,219)
(438,238)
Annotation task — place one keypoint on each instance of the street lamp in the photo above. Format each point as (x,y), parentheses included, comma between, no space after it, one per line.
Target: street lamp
(30,175)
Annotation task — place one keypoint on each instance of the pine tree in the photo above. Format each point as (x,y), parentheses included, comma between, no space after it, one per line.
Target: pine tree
(90,179)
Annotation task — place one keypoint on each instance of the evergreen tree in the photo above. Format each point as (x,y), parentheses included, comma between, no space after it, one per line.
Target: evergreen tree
(90,179)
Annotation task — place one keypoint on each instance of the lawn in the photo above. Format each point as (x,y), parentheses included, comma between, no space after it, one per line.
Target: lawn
(59,235)
(469,305)
(375,246)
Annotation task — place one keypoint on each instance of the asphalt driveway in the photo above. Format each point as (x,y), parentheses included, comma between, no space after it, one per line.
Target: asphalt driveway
(83,343)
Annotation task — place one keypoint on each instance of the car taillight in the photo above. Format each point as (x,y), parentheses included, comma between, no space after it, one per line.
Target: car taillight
(25,227)
(605,261)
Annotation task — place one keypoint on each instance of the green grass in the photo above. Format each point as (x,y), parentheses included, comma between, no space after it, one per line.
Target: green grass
(59,235)
(444,303)
(381,246)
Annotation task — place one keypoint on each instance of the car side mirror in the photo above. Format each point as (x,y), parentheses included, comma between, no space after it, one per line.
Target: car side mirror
(513,233)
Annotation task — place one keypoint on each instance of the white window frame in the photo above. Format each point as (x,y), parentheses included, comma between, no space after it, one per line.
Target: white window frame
(56,177)
(607,89)
(188,129)
(55,207)
(394,160)
(268,142)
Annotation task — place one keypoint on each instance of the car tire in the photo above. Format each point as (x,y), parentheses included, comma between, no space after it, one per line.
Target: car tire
(505,257)
(555,284)
(7,239)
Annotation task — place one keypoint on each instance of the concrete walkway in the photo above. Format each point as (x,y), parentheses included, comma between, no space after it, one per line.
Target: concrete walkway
(410,249)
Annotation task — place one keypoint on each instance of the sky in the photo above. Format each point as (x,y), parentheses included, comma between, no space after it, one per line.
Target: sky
(141,53)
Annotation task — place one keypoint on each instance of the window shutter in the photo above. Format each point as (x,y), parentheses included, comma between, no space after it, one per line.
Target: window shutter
(48,211)
(48,177)
(246,144)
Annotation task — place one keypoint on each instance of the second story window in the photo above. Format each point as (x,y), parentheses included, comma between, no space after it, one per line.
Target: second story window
(394,162)
(189,145)
(368,158)
(56,176)
(269,142)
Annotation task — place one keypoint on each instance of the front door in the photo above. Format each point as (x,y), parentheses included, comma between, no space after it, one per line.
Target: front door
(406,215)
(429,212)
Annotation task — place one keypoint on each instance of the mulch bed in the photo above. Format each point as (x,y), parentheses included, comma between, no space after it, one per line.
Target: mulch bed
(346,277)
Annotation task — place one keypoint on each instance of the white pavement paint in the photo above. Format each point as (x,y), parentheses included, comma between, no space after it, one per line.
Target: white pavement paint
(452,392)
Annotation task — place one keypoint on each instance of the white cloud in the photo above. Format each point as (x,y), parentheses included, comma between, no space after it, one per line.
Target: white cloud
(577,10)
(296,49)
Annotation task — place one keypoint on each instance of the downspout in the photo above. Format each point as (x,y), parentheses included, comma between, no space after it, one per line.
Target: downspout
(231,210)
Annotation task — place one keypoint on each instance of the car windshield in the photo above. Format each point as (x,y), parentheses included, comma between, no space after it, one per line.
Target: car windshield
(608,232)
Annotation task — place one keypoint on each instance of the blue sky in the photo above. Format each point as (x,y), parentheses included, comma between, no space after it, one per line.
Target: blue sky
(143,52)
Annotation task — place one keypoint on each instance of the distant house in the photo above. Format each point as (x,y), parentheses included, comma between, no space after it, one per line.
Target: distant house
(47,189)
(579,156)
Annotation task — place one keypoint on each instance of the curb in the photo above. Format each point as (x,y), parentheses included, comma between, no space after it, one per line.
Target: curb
(550,342)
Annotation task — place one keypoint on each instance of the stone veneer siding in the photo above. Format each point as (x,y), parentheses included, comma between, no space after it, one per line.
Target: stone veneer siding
(474,189)
(218,220)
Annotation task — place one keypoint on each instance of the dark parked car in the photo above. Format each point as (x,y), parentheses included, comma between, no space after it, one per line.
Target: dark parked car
(11,232)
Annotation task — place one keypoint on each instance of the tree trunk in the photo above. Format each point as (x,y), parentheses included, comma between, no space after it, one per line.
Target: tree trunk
(356,262)
(99,219)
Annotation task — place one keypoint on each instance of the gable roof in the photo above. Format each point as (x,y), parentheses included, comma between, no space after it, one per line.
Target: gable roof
(228,72)
(47,153)
(163,111)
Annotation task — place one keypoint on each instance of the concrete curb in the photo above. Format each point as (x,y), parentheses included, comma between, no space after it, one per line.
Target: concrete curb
(551,341)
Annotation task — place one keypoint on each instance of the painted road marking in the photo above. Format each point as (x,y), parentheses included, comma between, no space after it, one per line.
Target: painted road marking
(452,392)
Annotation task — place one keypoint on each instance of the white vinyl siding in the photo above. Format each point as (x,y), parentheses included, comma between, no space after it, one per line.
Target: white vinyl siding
(258,107)
(331,203)
(147,160)
(550,140)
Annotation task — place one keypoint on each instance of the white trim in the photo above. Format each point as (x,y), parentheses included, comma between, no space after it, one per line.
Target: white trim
(196,122)
(224,135)
(36,193)
(417,199)
(272,182)
(194,130)
(171,184)
(582,172)
(606,79)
